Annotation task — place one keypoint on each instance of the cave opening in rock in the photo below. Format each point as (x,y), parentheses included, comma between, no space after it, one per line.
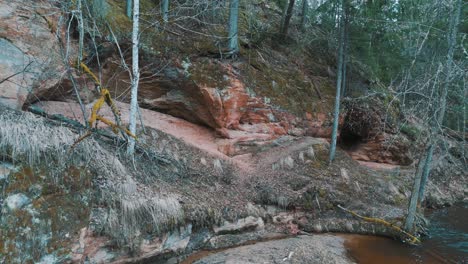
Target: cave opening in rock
(349,140)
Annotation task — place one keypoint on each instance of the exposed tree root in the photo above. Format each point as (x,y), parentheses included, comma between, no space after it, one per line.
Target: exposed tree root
(412,239)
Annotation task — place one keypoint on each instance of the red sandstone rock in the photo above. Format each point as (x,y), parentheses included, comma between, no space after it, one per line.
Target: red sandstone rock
(30,58)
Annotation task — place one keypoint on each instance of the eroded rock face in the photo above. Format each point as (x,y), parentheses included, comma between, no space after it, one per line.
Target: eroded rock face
(29,54)
(368,134)
(211,93)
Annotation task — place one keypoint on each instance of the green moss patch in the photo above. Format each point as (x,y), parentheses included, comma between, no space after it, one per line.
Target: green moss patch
(47,225)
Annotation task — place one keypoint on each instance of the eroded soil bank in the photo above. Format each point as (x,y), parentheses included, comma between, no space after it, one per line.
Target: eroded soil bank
(447,243)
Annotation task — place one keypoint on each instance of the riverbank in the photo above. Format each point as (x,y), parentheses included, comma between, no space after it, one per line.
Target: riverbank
(177,198)
(447,243)
(300,249)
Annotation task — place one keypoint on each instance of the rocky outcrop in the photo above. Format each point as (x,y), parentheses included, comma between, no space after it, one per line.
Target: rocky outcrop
(29,54)
(208,92)
(368,133)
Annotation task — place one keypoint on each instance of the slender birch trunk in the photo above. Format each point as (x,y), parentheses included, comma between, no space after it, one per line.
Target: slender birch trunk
(338,85)
(422,174)
(135,77)
(128,10)
(345,54)
(165,10)
(233,45)
(80,32)
(305,6)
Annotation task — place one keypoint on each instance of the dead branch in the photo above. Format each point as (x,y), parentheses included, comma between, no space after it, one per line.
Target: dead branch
(413,239)
(100,132)
(14,74)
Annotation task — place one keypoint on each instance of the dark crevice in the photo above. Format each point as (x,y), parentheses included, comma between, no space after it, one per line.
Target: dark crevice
(349,140)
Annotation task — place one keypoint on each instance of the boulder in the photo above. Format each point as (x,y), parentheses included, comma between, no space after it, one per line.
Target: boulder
(29,52)
(242,225)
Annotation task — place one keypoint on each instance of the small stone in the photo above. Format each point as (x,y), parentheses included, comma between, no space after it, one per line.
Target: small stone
(17,201)
(310,153)
(289,162)
(217,166)
(178,239)
(242,225)
(48,259)
(5,169)
(301,156)
(318,228)
(393,189)
(297,132)
(344,174)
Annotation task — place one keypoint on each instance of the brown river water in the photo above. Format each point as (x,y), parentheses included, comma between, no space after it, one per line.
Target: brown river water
(447,243)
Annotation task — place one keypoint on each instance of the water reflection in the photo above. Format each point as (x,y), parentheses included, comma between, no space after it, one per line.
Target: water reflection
(448,242)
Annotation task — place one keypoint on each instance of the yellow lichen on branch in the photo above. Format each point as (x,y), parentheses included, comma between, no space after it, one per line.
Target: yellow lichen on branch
(106,94)
(413,239)
(51,25)
(104,98)
(94,111)
(89,72)
(114,126)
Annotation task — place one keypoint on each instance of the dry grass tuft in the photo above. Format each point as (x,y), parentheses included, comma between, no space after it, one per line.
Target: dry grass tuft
(27,137)
(132,207)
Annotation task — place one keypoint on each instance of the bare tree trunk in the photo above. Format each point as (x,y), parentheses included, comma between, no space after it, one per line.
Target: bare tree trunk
(426,171)
(283,15)
(465,94)
(80,32)
(129,9)
(415,193)
(345,51)
(443,98)
(165,10)
(287,20)
(423,171)
(135,77)
(338,85)
(305,6)
(65,59)
(233,45)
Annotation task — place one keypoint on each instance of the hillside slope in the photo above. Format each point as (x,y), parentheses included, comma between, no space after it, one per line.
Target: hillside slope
(230,150)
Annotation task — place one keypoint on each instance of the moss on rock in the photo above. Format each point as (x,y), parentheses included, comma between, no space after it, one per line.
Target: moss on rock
(50,221)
